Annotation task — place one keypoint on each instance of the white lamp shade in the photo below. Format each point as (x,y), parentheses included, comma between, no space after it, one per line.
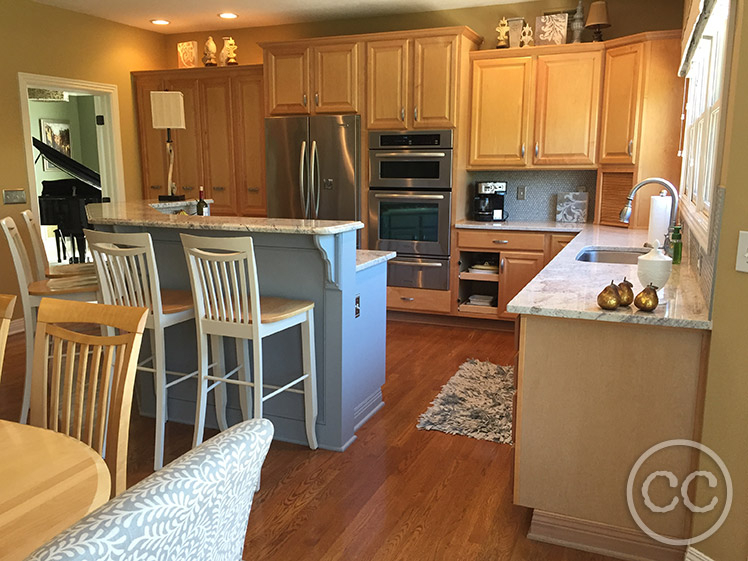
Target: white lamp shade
(167,110)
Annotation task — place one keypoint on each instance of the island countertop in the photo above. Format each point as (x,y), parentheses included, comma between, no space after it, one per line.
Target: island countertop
(567,288)
(141,213)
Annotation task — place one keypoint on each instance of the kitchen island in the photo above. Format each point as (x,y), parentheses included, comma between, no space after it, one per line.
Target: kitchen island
(596,389)
(302,259)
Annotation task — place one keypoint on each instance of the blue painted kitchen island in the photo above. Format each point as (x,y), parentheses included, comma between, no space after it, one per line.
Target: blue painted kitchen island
(303,259)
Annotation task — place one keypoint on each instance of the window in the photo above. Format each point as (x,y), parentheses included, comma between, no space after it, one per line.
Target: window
(703,119)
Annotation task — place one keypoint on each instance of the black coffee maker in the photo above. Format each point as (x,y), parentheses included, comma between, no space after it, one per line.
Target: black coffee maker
(488,204)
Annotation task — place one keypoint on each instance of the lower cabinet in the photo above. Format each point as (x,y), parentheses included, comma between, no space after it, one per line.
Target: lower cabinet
(418,300)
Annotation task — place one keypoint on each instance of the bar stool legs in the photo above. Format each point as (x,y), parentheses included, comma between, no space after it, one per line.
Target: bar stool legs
(310,382)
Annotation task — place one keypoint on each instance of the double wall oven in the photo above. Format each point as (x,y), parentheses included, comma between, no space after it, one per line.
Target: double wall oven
(410,202)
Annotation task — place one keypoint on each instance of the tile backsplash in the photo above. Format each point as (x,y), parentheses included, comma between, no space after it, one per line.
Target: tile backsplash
(542,186)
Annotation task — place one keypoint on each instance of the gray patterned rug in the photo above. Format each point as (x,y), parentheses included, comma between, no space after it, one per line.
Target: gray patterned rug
(476,401)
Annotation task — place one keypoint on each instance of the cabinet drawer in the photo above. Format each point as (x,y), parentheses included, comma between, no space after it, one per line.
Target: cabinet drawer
(418,299)
(499,240)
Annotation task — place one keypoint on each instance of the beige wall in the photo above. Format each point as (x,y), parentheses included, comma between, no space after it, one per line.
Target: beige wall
(627,17)
(54,42)
(726,408)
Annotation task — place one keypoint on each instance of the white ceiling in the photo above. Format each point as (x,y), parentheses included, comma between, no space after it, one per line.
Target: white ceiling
(202,15)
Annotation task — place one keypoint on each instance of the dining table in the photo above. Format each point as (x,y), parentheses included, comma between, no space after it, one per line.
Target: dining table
(48,481)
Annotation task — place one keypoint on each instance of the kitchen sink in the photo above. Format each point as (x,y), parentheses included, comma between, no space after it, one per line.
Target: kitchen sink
(627,256)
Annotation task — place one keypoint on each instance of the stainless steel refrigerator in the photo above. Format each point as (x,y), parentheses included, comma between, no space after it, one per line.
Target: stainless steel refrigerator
(312,167)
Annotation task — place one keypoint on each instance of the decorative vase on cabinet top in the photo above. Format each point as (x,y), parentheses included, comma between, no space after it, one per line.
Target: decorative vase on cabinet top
(654,267)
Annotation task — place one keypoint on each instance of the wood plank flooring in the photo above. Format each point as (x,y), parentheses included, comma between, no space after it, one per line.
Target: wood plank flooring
(397,493)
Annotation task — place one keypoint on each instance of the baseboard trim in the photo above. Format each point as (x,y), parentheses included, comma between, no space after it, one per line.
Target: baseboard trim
(695,555)
(16,327)
(596,537)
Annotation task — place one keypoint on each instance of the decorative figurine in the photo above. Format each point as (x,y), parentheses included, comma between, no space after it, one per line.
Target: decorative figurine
(515,31)
(209,52)
(526,39)
(228,53)
(503,30)
(577,23)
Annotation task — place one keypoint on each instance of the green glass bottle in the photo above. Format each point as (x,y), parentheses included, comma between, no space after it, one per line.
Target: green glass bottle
(676,242)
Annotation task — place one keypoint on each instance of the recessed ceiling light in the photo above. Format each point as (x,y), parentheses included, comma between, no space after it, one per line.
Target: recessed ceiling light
(160,22)
(228,15)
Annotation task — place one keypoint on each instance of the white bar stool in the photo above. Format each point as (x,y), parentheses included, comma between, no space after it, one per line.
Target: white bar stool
(223,273)
(80,288)
(127,272)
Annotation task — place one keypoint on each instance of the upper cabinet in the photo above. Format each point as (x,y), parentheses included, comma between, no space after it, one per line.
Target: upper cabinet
(435,82)
(387,83)
(306,79)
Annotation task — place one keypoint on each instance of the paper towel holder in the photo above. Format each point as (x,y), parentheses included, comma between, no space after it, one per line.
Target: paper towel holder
(625,214)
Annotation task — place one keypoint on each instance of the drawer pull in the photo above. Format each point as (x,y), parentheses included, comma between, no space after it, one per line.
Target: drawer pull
(415,264)
(219,188)
(501,242)
(406,299)
(501,265)
(186,188)
(157,187)
(253,189)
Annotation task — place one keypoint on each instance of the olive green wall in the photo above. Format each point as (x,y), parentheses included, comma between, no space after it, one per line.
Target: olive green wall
(627,17)
(54,42)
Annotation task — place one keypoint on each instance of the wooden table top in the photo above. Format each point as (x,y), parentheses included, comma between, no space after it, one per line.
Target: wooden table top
(48,481)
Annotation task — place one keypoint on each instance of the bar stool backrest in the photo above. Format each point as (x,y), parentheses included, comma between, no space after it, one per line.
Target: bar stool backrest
(223,274)
(39,263)
(126,269)
(7,303)
(20,259)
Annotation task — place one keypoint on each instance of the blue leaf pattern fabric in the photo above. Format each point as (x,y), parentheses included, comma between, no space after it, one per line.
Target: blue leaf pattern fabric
(196,508)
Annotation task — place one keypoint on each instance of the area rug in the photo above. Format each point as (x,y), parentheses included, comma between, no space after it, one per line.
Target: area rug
(476,401)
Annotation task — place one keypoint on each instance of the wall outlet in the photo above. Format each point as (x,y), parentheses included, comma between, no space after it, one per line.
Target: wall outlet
(521,192)
(358,305)
(14,196)
(741,263)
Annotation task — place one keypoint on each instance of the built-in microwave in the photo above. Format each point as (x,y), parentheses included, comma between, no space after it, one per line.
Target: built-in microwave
(413,160)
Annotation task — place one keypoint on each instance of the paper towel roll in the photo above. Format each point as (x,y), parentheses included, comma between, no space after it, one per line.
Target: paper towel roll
(659,218)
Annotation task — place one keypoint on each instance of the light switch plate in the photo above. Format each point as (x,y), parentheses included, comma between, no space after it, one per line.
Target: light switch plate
(741,263)
(14,196)
(521,190)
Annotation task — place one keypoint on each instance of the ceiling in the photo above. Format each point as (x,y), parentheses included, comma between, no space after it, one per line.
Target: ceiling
(202,15)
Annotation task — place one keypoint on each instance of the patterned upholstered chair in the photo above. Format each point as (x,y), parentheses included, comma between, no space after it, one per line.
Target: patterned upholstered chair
(196,508)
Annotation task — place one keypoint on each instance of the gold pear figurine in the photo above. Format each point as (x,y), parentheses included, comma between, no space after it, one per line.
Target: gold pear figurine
(625,292)
(609,299)
(647,299)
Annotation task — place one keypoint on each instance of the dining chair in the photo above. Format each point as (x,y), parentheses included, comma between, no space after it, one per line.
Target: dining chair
(128,276)
(82,383)
(225,288)
(42,269)
(7,303)
(195,508)
(79,288)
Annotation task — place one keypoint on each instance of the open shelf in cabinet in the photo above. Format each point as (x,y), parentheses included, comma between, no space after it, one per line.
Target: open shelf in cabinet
(470,283)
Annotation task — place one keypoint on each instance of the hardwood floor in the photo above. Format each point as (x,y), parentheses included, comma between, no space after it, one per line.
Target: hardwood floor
(397,493)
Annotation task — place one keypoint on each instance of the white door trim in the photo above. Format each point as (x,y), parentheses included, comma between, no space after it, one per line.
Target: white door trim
(109,140)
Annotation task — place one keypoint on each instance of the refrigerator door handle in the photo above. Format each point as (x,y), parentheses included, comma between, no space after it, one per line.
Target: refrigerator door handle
(315,178)
(304,197)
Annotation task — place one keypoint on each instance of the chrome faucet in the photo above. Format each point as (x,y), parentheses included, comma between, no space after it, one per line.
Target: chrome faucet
(626,210)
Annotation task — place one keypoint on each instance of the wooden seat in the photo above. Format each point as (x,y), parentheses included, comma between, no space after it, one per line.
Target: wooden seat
(82,384)
(83,289)
(128,275)
(7,303)
(40,263)
(223,275)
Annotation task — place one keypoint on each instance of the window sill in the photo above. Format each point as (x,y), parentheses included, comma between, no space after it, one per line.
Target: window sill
(697,222)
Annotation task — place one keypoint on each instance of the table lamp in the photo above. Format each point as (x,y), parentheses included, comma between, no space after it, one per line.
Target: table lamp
(597,19)
(167,112)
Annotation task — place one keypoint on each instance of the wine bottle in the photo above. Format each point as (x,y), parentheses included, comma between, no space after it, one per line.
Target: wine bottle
(202,206)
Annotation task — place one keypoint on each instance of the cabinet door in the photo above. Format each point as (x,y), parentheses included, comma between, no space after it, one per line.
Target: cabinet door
(188,168)
(387,84)
(567,108)
(336,78)
(153,158)
(500,112)
(220,184)
(434,82)
(558,242)
(621,102)
(249,142)
(517,268)
(287,81)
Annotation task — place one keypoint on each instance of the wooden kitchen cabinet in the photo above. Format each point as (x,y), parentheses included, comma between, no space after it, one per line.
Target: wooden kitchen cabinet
(336,78)
(249,142)
(556,242)
(218,155)
(154,161)
(500,102)
(188,164)
(621,103)
(567,108)
(387,84)
(434,82)
(287,80)
(516,269)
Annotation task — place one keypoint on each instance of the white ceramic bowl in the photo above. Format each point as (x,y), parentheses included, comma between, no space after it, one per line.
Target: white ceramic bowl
(654,272)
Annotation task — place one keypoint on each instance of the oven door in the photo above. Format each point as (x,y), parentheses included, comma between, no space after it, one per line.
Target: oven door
(410,222)
(411,168)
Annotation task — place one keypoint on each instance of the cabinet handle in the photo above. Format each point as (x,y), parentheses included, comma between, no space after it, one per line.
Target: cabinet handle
(630,149)
(157,187)
(501,265)
(303,100)
(186,188)
(253,189)
(415,113)
(523,150)
(316,99)
(537,149)
(219,188)
(402,113)
(405,299)
(501,242)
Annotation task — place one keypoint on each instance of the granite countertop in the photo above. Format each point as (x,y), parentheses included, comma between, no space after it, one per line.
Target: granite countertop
(142,214)
(366,258)
(535,226)
(567,288)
